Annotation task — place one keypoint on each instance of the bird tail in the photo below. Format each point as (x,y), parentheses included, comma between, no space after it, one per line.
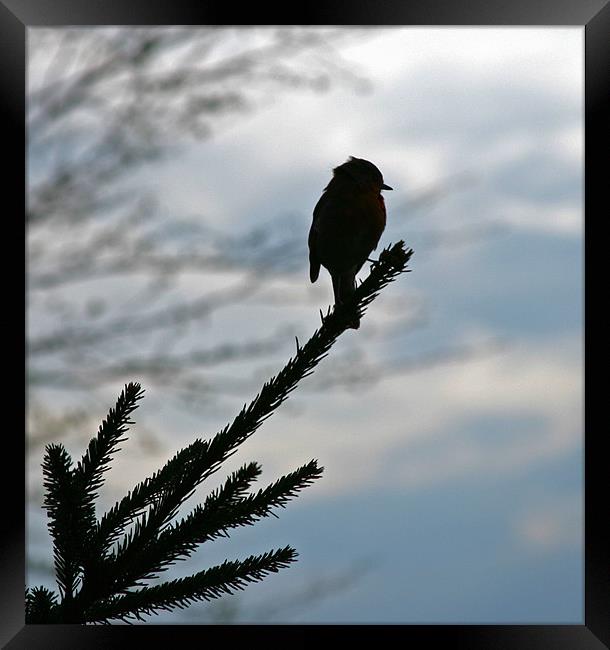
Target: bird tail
(344,287)
(314,270)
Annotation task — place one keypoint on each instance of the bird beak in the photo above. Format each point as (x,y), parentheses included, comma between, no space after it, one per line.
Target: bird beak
(386,187)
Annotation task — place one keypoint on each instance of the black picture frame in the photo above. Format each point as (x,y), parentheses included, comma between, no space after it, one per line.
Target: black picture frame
(594,16)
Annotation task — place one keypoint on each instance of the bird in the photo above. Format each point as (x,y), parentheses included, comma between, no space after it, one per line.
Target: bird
(348,221)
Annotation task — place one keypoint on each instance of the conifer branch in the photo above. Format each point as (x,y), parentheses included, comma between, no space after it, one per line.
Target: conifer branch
(88,476)
(94,463)
(203,457)
(40,605)
(64,514)
(222,511)
(217,581)
(108,563)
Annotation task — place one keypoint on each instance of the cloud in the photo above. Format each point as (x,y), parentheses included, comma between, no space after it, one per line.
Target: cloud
(500,414)
(550,525)
(504,105)
(546,54)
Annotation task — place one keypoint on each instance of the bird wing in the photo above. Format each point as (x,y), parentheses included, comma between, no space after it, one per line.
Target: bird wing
(346,228)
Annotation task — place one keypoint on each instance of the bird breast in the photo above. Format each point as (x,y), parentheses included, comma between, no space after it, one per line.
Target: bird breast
(376,213)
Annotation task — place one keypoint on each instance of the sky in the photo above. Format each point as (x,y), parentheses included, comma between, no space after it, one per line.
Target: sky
(452,491)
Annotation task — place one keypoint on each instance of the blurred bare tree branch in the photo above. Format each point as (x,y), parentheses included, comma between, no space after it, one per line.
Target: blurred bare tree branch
(105,263)
(104,103)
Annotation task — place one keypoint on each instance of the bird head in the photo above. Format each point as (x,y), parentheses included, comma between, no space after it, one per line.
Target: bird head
(362,172)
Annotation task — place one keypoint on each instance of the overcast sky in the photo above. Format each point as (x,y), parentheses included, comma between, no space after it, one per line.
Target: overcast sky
(452,492)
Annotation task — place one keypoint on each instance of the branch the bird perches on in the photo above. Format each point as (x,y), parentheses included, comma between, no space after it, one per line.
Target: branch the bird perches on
(101,564)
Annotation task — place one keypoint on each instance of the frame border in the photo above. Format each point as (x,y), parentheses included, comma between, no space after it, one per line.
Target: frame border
(594,15)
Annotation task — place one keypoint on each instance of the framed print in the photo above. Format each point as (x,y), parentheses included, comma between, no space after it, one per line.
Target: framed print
(374,225)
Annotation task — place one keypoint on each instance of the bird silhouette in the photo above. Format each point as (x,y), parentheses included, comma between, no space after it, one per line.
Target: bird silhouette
(347,223)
